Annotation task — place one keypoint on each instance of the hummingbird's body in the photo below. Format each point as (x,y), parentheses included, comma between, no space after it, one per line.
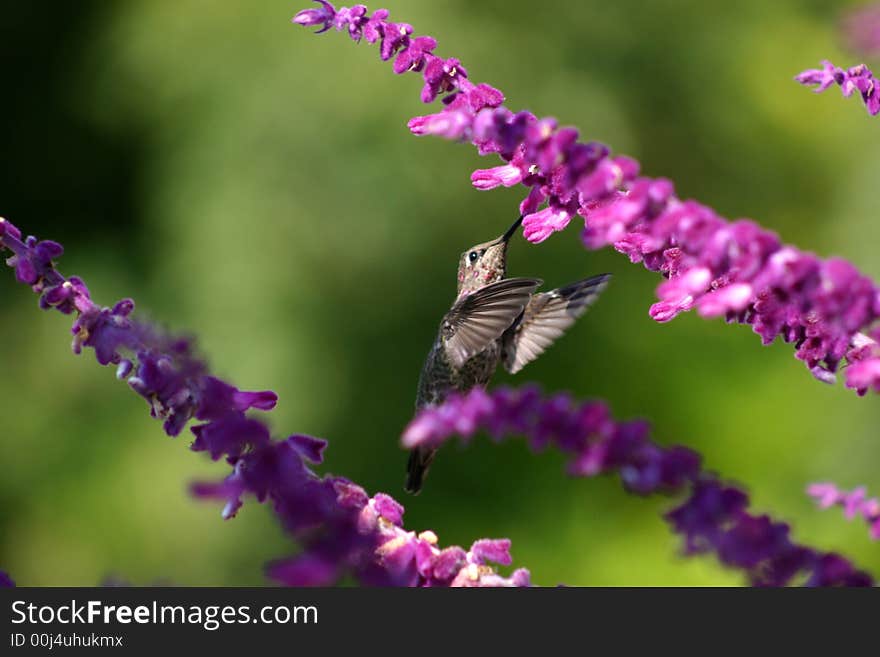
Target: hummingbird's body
(493,320)
(440,376)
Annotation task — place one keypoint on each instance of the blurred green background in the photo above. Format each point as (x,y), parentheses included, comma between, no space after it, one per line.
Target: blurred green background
(252,183)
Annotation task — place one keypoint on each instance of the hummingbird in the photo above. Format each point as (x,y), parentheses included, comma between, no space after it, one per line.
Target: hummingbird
(493,320)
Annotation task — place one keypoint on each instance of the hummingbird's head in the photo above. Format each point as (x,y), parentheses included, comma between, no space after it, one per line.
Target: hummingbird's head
(484,263)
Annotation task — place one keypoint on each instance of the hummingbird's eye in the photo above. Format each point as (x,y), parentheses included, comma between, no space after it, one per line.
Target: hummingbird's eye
(472,256)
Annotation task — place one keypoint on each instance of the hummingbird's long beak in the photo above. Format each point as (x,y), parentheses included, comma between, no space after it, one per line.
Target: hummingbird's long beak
(510,231)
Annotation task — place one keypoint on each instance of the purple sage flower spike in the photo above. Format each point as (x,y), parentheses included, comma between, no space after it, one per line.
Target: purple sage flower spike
(854,503)
(6,580)
(736,270)
(341,530)
(713,518)
(858,78)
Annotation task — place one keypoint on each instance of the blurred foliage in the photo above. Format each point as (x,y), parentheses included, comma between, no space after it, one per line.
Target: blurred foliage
(257,185)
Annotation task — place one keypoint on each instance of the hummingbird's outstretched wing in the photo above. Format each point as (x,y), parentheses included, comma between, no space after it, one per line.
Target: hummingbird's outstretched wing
(547,317)
(479,318)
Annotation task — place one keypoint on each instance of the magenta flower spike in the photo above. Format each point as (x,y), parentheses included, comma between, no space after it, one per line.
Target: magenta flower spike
(340,528)
(732,269)
(713,518)
(854,503)
(856,79)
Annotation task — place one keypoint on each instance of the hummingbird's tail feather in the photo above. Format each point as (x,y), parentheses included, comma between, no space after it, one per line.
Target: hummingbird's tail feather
(420,460)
